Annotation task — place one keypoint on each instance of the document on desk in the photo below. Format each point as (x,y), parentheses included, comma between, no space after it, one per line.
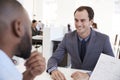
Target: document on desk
(107,68)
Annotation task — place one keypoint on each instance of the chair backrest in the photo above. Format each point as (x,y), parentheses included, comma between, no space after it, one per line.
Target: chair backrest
(117,46)
(116,37)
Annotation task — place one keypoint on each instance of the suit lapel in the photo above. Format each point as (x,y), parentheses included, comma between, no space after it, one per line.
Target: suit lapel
(75,46)
(90,46)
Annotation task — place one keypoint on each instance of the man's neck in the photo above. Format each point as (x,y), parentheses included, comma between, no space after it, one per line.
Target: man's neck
(86,34)
(7,51)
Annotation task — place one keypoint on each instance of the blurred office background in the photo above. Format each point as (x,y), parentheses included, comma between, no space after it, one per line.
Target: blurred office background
(107,12)
(57,14)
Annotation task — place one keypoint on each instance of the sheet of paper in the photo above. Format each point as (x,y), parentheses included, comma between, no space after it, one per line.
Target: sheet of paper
(107,68)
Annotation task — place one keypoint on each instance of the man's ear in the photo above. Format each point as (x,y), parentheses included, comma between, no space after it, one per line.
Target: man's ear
(18,28)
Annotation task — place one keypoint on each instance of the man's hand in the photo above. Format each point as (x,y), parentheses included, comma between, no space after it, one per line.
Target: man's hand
(35,65)
(57,75)
(80,76)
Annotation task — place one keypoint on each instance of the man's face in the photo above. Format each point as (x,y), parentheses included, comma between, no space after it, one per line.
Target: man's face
(82,22)
(35,24)
(25,45)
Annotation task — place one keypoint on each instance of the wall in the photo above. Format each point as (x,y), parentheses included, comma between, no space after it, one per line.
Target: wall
(51,32)
(63,13)
(34,8)
(38,9)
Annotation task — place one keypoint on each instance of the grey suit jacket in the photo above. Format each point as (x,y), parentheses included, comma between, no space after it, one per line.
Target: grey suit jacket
(98,43)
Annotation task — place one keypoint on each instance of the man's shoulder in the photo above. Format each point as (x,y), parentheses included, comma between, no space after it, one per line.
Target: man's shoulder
(71,33)
(102,35)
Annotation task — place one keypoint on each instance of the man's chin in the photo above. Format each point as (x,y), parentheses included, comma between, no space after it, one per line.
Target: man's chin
(24,56)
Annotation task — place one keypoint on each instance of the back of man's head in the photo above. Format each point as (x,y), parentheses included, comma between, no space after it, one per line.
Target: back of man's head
(9,10)
(15,29)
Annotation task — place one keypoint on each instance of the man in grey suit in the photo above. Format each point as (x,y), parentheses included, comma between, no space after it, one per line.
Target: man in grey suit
(95,44)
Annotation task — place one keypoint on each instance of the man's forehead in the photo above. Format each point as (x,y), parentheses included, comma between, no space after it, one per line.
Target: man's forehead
(83,12)
(81,17)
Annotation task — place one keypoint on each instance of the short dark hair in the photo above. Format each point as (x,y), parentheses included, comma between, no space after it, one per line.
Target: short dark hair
(94,25)
(34,21)
(88,9)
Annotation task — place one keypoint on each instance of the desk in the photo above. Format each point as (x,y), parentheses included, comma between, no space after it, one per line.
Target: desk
(58,39)
(66,71)
(37,39)
(45,76)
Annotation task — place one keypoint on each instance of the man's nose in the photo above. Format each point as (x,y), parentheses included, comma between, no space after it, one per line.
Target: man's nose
(79,23)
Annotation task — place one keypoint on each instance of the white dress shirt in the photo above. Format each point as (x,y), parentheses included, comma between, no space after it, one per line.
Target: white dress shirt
(8,71)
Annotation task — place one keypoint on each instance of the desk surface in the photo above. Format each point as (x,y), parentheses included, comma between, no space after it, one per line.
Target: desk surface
(45,76)
(58,39)
(37,37)
(67,72)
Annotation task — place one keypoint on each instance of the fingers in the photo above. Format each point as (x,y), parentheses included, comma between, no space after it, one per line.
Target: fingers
(57,75)
(35,59)
(36,63)
(37,71)
(80,76)
(34,54)
(75,75)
